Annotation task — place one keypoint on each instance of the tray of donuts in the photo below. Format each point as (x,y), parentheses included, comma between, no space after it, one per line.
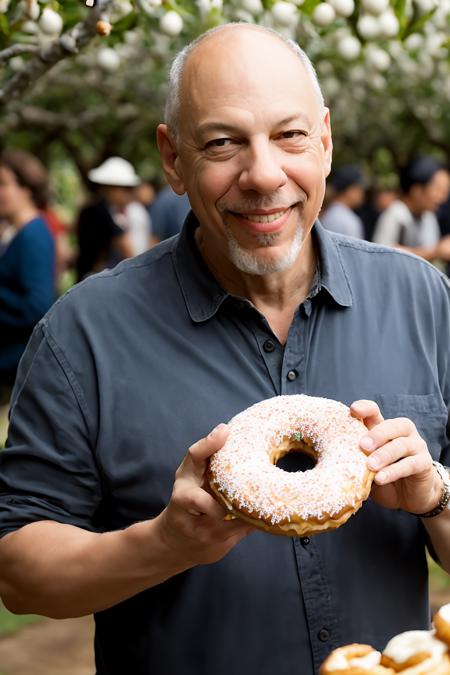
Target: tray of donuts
(416,652)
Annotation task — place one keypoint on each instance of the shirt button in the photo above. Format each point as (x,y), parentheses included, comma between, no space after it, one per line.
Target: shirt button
(269,346)
(292,375)
(324,634)
(305,541)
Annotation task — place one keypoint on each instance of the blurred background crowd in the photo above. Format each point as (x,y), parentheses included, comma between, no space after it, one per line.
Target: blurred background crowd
(43,251)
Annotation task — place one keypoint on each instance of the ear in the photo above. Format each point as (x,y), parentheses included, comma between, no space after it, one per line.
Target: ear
(327,141)
(170,158)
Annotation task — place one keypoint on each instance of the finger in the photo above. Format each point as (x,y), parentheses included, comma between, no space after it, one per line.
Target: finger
(198,502)
(408,466)
(391,452)
(205,447)
(193,465)
(386,431)
(367,411)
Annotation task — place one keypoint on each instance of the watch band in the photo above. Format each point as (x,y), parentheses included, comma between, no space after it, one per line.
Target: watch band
(445,494)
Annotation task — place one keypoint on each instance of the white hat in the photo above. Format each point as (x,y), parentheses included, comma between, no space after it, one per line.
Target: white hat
(115,171)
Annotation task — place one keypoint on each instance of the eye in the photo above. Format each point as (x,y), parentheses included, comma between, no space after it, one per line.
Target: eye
(219,143)
(292,134)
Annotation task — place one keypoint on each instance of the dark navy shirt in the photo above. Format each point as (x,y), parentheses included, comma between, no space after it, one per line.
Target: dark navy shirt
(135,364)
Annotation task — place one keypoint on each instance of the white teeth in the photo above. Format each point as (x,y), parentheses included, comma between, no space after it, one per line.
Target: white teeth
(264,219)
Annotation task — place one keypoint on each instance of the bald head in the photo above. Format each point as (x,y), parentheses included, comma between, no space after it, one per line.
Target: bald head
(247,40)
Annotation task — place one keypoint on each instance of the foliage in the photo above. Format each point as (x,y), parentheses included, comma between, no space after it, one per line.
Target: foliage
(88,82)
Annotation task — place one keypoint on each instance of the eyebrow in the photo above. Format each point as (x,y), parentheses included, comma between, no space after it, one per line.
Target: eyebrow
(233,128)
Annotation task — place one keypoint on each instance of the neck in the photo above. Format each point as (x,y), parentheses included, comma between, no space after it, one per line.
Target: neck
(23,216)
(276,295)
(412,206)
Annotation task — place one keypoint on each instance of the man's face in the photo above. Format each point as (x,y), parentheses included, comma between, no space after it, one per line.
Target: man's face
(117,195)
(254,149)
(430,196)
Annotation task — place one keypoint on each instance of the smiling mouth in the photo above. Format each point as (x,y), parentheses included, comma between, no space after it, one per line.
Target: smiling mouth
(263,218)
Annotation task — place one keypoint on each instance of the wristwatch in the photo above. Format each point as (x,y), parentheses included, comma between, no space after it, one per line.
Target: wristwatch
(444,500)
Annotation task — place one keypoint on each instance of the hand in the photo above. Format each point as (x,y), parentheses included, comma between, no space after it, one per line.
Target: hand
(193,524)
(405,477)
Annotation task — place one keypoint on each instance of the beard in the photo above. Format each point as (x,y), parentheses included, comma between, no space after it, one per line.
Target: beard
(249,262)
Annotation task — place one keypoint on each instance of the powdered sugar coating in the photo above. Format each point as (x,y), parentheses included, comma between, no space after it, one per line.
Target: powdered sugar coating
(242,470)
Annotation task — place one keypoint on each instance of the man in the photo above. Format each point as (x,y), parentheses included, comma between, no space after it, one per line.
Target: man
(138,363)
(348,194)
(115,226)
(410,222)
(168,212)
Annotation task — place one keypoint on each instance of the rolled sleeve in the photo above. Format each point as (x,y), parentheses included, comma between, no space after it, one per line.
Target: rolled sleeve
(48,468)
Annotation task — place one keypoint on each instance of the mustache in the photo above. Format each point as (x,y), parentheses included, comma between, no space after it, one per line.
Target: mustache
(261,202)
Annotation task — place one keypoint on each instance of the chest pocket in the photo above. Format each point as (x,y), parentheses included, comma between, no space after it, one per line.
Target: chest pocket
(427,411)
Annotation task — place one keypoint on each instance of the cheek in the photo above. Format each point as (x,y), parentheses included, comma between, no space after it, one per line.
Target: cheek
(212,182)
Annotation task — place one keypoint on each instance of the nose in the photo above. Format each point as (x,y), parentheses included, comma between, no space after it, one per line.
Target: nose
(262,171)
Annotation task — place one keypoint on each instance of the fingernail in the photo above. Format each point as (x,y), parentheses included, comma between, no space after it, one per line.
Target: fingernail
(215,430)
(374,463)
(381,477)
(366,443)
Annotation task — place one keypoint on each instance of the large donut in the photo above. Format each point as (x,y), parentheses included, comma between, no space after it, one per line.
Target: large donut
(441,622)
(355,659)
(417,652)
(244,477)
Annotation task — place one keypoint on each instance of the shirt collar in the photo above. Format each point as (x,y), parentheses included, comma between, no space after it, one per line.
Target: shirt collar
(204,296)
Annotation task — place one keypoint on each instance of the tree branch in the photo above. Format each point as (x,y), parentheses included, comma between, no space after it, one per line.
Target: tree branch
(16,50)
(69,43)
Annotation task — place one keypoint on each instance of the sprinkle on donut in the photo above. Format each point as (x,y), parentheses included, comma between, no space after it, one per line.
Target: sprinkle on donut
(244,475)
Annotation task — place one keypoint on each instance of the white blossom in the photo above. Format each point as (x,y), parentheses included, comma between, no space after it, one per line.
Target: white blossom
(377,58)
(368,26)
(349,47)
(120,9)
(344,8)
(252,6)
(388,24)
(4,4)
(33,10)
(51,22)
(284,13)
(426,5)
(244,16)
(108,59)
(16,63)
(414,41)
(375,6)
(171,23)
(323,14)
(30,27)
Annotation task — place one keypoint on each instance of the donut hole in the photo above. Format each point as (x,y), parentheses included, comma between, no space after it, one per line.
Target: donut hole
(295,455)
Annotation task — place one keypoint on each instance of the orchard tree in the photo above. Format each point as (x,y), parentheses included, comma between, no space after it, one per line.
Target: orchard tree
(88,79)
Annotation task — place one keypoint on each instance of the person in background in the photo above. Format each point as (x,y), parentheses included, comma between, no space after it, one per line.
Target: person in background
(145,193)
(376,201)
(168,213)
(347,194)
(410,222)
(27,262)
(115,226)
(58,229)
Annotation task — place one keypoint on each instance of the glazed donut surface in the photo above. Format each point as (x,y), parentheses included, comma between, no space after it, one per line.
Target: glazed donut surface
(417,652)
(244,476)
(441,622)
(354,659)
